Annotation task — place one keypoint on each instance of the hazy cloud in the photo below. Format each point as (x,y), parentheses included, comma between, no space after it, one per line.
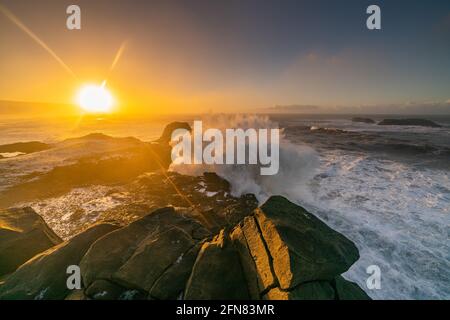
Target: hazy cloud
(401,108)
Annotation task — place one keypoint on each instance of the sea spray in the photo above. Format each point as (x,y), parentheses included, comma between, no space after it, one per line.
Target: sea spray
(297,164)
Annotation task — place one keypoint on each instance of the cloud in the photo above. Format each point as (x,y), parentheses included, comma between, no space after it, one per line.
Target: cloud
(412,108)
(295,108)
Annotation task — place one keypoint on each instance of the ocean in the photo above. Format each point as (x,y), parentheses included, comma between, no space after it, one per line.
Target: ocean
(387,188)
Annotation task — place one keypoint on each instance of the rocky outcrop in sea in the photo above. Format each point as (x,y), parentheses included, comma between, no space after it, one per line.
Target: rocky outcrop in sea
(363,120)
(409,122)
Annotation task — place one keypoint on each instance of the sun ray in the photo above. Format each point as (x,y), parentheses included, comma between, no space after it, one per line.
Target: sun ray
(115,61)
(30,33)
(118,56)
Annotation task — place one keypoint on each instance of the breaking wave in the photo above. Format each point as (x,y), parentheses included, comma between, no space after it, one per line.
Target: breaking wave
(297,163)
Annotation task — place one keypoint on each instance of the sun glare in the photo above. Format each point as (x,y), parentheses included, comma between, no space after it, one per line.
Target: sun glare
(95,99)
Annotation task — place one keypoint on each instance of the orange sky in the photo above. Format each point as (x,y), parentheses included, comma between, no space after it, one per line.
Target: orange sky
(141,78)
(225,58)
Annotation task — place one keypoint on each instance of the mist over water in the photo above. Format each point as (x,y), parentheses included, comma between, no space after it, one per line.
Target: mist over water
(50,130)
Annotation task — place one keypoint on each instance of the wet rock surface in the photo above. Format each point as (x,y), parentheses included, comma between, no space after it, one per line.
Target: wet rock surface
(279,251)
(44,276)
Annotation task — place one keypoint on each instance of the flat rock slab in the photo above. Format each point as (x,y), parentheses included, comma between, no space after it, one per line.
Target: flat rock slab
(153,257)
(173,281)
(302,247)
(137,255)
(23,234)
(217,273)
(44,276)
(258,250)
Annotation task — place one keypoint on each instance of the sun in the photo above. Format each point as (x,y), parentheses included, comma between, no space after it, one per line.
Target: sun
(95,99)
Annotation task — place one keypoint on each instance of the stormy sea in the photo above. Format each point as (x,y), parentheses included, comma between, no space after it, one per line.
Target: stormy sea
(385,187)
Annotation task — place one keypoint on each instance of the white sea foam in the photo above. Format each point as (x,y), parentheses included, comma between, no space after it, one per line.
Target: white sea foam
(396,214)
(80,206)
(10,154)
